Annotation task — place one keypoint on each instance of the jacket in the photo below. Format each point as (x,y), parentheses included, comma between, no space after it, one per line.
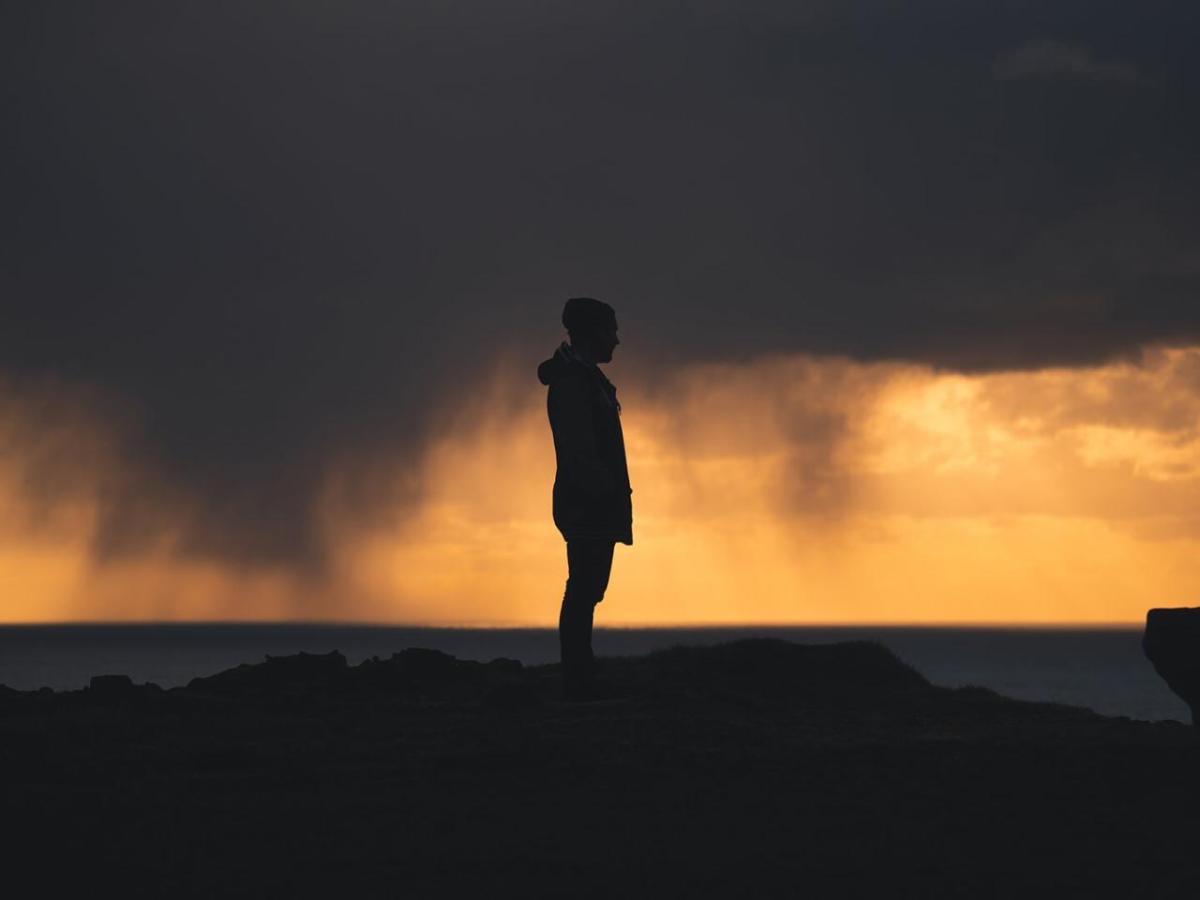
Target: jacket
(592,495)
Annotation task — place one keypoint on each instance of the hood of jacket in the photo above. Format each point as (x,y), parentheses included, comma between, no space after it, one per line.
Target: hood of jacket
(562,362)
(566,361)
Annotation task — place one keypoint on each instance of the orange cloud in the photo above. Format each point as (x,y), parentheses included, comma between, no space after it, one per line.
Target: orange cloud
(795,489)
(64,453)
(789,490)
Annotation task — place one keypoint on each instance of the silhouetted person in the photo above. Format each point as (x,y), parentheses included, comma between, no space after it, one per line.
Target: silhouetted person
(592,504)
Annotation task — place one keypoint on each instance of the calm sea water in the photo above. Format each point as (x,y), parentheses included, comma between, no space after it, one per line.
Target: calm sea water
(1103,669)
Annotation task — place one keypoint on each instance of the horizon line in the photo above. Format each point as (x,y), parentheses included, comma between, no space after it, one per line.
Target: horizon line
(616,626)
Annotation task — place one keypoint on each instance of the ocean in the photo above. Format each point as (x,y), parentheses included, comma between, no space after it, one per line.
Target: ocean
(1100,668)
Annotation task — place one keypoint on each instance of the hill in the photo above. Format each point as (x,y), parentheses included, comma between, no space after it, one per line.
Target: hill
(755,767)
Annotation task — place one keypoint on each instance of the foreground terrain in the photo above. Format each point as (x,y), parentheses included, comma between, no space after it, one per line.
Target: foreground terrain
(755,768)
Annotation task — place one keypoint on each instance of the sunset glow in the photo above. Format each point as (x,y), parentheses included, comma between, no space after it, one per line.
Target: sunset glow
(789,490)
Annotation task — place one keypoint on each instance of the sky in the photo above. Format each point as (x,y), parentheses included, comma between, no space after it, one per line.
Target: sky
(907,296)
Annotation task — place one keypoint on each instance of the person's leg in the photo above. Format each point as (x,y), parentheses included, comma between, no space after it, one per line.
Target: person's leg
(589,564)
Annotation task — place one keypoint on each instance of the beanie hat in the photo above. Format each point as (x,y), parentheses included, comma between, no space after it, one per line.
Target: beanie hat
(583,314)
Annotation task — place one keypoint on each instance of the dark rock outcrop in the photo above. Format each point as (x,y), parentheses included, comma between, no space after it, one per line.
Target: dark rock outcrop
(420,670)
(118,689)
(303,673)
(774,668)
(1172,643)
(753,768)
(306,677)
(111,685)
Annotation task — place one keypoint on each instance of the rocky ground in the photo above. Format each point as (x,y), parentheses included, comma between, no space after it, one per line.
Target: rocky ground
(756,768)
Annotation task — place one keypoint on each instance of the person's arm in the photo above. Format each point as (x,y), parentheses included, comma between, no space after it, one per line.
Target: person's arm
(570,410)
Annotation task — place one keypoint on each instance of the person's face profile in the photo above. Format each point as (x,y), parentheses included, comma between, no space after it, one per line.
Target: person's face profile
(599,341)
(608,343)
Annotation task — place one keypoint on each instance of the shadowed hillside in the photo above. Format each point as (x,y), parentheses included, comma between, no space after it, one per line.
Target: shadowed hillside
(758,765)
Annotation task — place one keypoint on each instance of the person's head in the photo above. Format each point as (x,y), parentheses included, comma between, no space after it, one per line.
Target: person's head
(592,327)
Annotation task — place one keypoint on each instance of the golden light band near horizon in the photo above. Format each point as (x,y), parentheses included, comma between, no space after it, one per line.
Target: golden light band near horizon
(792,489)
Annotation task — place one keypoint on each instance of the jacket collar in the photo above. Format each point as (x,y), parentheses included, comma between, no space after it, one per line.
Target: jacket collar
(569,354)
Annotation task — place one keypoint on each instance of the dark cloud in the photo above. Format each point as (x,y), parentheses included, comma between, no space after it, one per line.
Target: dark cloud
(284,231)
(1056,59)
